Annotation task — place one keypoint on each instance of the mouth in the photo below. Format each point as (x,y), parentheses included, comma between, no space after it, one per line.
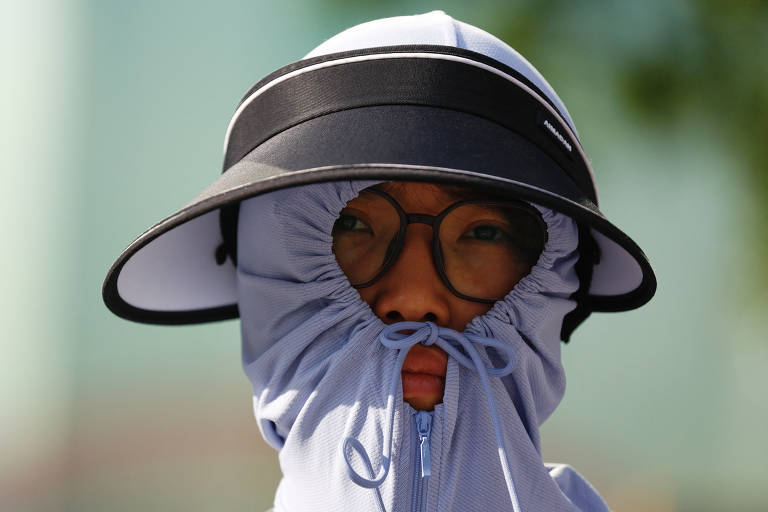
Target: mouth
(423,376)
(425,360)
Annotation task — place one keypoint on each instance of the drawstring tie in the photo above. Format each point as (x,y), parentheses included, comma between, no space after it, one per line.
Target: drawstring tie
(427,333)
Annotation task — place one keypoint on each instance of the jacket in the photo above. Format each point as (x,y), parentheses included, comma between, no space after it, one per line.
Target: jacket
(326,388)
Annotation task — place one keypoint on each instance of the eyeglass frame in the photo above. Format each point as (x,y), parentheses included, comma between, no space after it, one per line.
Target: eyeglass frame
(434,221)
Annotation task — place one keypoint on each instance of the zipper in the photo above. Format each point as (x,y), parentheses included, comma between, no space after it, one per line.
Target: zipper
(422,460)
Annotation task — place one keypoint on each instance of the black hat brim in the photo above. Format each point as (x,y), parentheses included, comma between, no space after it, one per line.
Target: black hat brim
(169,274)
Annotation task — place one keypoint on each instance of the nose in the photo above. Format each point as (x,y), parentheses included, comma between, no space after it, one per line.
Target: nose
(411,290)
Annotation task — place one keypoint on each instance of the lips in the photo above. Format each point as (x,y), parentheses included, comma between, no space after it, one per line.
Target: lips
(429,360)
(423,376)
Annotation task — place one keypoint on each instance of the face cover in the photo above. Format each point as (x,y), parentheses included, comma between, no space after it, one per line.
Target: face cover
(326,375)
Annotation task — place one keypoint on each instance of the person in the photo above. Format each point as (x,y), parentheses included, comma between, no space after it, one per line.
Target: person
(407,227)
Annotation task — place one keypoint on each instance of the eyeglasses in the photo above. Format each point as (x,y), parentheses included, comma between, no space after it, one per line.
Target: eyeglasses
(480,248)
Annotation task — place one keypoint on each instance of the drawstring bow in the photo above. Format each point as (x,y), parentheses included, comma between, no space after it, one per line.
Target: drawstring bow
(428,333)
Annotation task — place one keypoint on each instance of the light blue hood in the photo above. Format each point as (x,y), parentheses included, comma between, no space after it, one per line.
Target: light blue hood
(320,374)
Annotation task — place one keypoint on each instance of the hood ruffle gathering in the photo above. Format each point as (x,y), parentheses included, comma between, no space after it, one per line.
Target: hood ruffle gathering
(320,374)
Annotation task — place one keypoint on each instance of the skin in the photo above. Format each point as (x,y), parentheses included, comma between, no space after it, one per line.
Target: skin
(412,291)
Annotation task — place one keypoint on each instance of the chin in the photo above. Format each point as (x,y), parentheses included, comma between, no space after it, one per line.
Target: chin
(423,403)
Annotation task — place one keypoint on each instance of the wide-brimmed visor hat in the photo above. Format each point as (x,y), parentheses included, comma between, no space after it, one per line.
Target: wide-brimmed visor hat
(430,113)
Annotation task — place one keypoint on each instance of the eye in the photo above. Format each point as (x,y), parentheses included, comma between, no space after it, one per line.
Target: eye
(487,233)
(349,223)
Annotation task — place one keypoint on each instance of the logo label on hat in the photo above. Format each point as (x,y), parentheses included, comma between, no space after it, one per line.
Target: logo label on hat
(550,128)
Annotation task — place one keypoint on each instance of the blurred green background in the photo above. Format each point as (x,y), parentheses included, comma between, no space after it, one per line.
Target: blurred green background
(113,116)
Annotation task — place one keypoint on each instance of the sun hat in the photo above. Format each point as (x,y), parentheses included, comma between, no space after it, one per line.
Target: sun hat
(416,98)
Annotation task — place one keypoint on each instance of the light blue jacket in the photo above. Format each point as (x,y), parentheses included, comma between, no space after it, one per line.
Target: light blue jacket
(320,375)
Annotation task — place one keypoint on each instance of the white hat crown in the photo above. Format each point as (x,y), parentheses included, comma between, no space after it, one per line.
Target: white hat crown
(437,28)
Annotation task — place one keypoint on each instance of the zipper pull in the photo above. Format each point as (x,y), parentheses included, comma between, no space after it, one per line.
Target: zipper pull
(424,427)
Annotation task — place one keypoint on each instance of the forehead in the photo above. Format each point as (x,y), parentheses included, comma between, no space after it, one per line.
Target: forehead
(430,198)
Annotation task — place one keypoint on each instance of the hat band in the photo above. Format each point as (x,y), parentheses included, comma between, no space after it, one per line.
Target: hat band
(406,79)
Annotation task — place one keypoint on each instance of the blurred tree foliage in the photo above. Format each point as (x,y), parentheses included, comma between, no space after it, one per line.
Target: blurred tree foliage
(669,59)
(716,65)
